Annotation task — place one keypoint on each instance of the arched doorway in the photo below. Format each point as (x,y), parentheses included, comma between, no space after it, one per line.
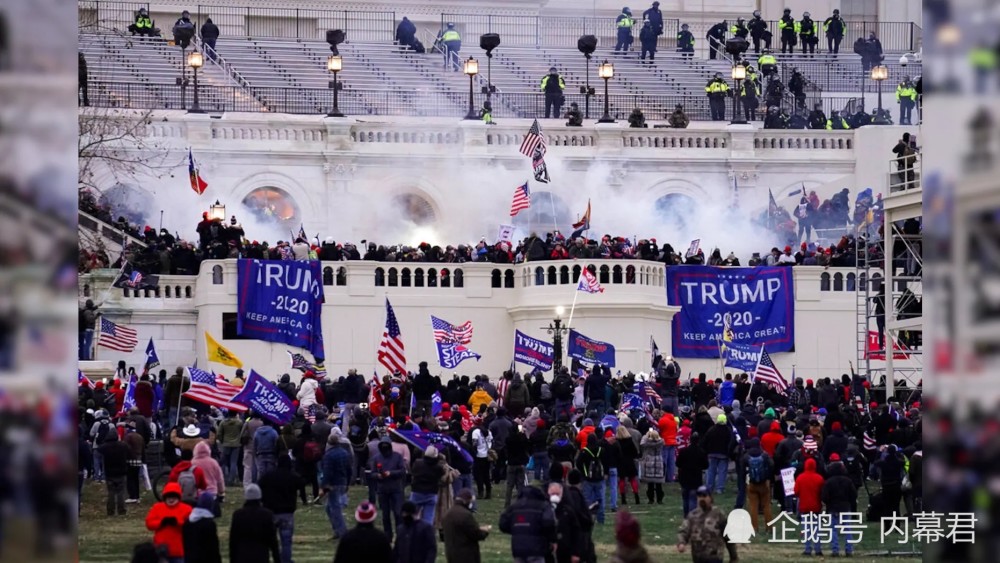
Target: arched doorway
(273,205)
(547,212)
(676,209)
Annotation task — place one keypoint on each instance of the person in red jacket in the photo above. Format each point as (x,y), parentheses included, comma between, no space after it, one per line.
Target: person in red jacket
(166,520)
(119,395)
(199,476)
(769,441)
(667,426)
(809,490)
(587,430)
(145,396)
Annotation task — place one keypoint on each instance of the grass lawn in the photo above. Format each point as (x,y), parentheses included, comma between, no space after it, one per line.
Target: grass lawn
(102,538)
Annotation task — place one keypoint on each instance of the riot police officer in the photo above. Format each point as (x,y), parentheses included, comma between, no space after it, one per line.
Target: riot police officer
(787,27)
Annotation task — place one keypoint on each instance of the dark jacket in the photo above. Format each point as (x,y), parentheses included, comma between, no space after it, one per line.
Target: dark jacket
(518,448)
(280,486)
(691,461)
(462,535)
(835,443)
(839,493)
(531,523)
(116,455)
(424,385)
(415,542)
(718,440)
(252,535)
(336,467)
(427,475)
(570,539)
(364,544)
(890,469)
(395,465)
(209,31)
(201,541)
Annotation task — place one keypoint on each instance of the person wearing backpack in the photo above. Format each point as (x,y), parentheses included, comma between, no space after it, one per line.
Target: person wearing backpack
(589,463)
(562,392)
(115,456)
(215,480)
(307,452)
(759,470)
(278,489)
(190,478)
(840,496)
(99,433)
(265,446)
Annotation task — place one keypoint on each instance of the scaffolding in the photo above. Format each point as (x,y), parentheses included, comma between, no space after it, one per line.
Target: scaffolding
(889,296)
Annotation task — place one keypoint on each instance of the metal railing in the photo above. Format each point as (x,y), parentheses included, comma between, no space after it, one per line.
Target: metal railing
(93,15)
(548,31)
(904,173)
(845,76)
(896,37)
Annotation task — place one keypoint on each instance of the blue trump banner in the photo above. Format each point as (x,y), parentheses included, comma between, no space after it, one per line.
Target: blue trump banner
(436,403)
(281,301)
(265,398)
(532,351)
(741,356)
(590,351)
(420,440)
(450,354)
(759,302)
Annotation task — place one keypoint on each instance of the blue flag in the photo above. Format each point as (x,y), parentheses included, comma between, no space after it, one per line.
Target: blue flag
(435,403)
(129,401)
(281,301)
(631,401)
(152,360)
(741,356)
(450,354)
(265,398)
(420,439)
(531,351)
(590,351)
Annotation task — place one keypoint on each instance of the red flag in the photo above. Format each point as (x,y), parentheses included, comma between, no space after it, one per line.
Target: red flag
(197,184)
(375,400)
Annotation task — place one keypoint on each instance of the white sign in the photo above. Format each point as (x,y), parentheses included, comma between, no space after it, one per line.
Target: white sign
(505,233)
(693,249)
(788,480)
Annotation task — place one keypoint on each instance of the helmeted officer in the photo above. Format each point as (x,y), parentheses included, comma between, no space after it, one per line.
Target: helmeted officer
(787,27)
(717,90)
(906,95)
(451,41)
(759,32)
(836,121)
(716,38)
(768,64)
(685,42)
(553,86)
(647,39)
(624,23)
(807,30)
(834,28)
(142,26)
(739,29)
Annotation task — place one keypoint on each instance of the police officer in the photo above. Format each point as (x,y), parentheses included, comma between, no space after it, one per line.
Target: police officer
(807,31)
(647,38)
(906,95)
(553,86)
(787,27)
(797,86)
(834,27)
(836,122)
(183,30)
(776,119)
(486,114)
(624,23)
(685,42)
(983,59)
(774,93)
(739,29)
(749,97)
(655,17)
(717,90)
(451,41)
(758,32)
(817,119)
(143,26)
(768,64)
(716,38)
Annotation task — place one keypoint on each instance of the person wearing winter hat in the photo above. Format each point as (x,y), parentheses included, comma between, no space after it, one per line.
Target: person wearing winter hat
(166,520)
(416,541)
(786,258)
(717,443)
(840,496)
(462,533)
(808,489)
(364,543)
(252,535)
(201,536)
(628,547)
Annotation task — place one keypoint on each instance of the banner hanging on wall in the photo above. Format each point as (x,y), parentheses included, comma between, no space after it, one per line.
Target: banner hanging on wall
(760,304)
(590,351)
(281,301)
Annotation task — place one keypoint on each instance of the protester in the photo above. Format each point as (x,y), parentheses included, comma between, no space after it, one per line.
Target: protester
(115,455)
(702,530)
(427,473)
(252,537)
(462,533)
(628,548)
(364,543)
(166,520)
(278,489)
(415,540)
(336,478)
(201,536)
(651,466)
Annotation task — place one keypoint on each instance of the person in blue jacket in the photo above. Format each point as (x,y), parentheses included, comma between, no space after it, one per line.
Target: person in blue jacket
(336,477)
(727,391)
(647,38)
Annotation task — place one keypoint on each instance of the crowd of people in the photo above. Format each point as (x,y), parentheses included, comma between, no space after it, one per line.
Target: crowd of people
(561,452)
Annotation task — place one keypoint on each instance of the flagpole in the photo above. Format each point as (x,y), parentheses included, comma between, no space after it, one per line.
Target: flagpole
(569,323)
(552,206)
(180,398)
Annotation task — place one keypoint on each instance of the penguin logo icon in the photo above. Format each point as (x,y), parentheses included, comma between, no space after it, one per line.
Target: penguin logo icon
(738,527)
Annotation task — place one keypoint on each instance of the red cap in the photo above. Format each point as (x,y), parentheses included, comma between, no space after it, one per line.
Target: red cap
(99,385)
(835,426)
(788,249)
(866,384)
(803,246)
(915,405)
(834,457)
(873,405)
(445,406)
(608,433)
(809,382)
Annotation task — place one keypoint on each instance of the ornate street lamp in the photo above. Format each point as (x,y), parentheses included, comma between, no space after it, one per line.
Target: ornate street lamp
(739,74)
(195,60)
(471,68)
(217,211)
(335,64)
(557,330)
(879,74)
(607,72)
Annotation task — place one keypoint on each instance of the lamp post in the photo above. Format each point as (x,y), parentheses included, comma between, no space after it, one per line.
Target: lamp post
(607,72)
(471,68)
(557,330)
(879,74)
(739,74)
(217,211)
(335,64)
(195,60)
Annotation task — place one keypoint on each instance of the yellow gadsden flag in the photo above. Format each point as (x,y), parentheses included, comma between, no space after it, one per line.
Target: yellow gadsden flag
(218,354)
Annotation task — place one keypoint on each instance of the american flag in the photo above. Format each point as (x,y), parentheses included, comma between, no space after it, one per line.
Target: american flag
(533,140)
(211,389)
(869,443)
(522,199)
(538,165)
(391,352)
(300,363)
(311,414)
(197,183)
(650,395)
(589,283)
(117,337)
(768,373)
(83,380)
(447,332)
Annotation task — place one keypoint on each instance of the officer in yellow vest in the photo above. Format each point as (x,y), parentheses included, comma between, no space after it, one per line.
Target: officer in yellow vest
(553,86)
(717,90)
(984,62)
(685,41)
(786,25)
(143,26)
(451,42)
(906,95)
(624,23)
(808,32)
(768,64)
(836,121)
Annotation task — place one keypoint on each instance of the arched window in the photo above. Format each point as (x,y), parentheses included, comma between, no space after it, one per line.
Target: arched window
(379,277)
(546,209)
(177,291)
(576,274)
(508,279)
(432,277)
(552,276)
(564,275)
(273,206)
(166,290)
(445,277)
(406,277)
(495,278)
(327,275)
(851,278)
(616,274)
(838,282)
(605,275)
(459,278)
(630,274)
(216,275)
(187,291)
(539,275)
(415,208)
(341,276)
(393,277)
(824,281)
(418,277)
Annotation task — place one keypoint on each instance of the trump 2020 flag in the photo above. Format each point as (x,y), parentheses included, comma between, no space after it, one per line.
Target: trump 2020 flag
(741,356)
(590,351)
(281,301)
(265,398)
(531,351)
(436,403)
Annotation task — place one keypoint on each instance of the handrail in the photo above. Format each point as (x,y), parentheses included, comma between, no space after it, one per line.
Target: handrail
(102,226)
